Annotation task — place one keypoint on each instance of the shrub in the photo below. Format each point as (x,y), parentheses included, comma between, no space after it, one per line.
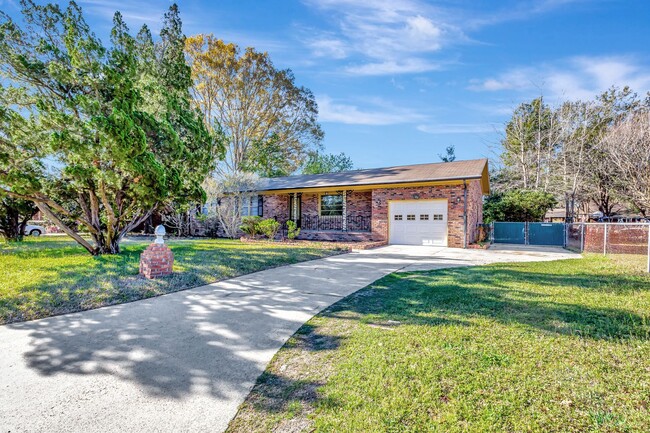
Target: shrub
(292,230)
(518,205)
(269,227)
(251,225)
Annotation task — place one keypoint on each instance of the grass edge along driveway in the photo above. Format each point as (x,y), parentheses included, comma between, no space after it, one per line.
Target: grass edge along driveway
(47,276)
(553,346)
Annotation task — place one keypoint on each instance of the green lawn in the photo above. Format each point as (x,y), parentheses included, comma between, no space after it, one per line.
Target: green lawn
(540,347)
(45,276)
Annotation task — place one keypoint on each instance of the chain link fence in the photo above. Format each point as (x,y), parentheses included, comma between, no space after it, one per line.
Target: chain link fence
(610,238)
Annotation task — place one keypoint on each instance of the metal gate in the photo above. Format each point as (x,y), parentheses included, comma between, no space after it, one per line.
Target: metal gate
(510,233)
(546,234)
(529,233)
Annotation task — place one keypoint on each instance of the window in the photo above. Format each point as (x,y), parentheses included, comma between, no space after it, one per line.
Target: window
(251,205)
(424,217)
(331,205)
(410,217)
(398,217)
(437,217)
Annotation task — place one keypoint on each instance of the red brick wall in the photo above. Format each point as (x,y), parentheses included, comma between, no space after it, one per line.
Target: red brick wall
(309,204)
(276,206)
(474,209)
(358,204)
(621,239)
(374,204)
(454,195)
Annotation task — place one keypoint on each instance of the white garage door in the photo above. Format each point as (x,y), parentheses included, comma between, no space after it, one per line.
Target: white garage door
(421,222)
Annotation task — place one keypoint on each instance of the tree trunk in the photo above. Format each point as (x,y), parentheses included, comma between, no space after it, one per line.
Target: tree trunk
(11,227)
(109,247)
(67,230)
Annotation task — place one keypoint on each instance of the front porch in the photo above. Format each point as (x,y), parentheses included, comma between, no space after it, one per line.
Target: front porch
(331,216)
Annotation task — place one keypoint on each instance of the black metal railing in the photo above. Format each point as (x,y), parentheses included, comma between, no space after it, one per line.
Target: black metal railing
(354,223)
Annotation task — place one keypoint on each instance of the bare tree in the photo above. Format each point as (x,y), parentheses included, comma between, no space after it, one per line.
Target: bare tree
(528,145)
(225,197)
(572,133)
(627,145)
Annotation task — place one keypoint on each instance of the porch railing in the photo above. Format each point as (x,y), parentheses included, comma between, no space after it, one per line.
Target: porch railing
(354,223)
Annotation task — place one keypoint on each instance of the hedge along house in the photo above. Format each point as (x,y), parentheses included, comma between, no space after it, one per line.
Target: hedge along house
(437,204)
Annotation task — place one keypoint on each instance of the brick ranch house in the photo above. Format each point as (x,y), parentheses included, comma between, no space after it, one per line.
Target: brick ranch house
(437,204)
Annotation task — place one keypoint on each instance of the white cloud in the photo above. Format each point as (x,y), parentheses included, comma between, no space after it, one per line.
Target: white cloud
(381,113)
(401,36)
(329,47)
(388,36)
(405,66)
(457,128)
(134,13)
(521,11)
(574,78)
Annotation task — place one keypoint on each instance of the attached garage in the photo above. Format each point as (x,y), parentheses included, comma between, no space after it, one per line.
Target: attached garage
(418,222)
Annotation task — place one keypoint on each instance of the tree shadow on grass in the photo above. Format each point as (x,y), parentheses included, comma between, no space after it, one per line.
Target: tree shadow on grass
(109,280)
(308,338)
(507,296)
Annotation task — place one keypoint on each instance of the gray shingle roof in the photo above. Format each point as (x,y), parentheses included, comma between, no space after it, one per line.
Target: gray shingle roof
(471,169)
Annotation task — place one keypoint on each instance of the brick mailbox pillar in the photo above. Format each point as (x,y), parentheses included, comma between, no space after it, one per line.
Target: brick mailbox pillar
(157,260)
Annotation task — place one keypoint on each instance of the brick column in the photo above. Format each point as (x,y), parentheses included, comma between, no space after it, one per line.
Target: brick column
(156,261)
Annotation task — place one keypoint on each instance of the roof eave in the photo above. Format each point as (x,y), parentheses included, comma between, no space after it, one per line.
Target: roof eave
(438,180)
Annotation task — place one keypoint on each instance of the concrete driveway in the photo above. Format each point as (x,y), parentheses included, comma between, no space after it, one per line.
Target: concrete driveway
(185,361)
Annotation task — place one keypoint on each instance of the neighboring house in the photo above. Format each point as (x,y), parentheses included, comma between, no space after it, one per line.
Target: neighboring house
(437,204)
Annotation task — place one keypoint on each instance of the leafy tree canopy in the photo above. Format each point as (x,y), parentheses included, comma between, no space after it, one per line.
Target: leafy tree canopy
(270,122)
(327,163)
(517,205)
(450,154)
(95,134)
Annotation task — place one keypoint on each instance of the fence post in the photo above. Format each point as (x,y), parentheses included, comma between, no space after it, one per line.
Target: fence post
(526,234)
(605,241)
(582,238)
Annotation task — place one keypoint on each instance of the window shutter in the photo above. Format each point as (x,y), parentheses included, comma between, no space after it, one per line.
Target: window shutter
(260,205)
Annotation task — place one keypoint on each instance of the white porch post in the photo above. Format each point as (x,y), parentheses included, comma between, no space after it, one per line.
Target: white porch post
(345,211)
(294,208)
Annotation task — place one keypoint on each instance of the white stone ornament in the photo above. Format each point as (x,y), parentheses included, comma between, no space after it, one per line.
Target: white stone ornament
(160,233)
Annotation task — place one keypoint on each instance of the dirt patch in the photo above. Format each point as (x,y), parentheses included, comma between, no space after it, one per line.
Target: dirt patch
(286,394)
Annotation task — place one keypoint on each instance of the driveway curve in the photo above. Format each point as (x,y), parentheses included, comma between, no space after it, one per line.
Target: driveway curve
(184,361)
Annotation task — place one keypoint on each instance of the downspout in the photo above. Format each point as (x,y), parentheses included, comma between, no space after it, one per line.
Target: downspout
(464,213)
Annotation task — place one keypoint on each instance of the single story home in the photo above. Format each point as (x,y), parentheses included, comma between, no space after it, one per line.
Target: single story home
(437,204)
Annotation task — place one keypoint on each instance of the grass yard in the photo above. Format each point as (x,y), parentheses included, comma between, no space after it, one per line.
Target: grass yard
(45,276)
(532,347)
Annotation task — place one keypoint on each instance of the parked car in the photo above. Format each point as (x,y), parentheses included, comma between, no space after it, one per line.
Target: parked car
(34,230)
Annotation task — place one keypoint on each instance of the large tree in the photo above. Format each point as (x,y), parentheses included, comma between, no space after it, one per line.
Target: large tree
(270,122)
(628,143)
(95,135)
(327,163)
(517,205)
(14,215)
(528,145)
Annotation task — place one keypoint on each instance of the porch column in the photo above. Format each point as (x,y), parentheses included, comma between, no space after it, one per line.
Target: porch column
(294,209)
(345,211)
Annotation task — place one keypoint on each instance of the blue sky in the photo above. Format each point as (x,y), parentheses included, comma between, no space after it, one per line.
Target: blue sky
(399,80)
